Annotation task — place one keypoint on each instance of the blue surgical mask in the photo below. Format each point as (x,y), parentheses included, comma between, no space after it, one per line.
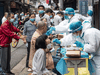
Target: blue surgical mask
(32,19)
(22,14)
(66,17)
(74,36)
(50,16)
(41,11)
(11,20)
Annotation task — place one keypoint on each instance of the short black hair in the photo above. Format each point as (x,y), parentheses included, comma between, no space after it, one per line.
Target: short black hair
(41,6)
(40,42)
(48,10)
(31,14)
(62,13)
(16,12)
(58,12)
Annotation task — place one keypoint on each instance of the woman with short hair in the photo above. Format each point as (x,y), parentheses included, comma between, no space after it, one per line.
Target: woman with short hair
(39,59)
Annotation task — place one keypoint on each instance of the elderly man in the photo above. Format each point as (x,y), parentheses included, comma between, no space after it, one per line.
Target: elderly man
(5,17)
(41,29)
(7,32)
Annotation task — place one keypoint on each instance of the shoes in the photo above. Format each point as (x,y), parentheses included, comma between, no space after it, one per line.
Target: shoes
(29,70)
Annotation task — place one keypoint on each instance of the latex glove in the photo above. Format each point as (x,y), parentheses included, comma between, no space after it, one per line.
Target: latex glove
(57,41)
(79,44)
(49,32)
(63,51)
(52,28)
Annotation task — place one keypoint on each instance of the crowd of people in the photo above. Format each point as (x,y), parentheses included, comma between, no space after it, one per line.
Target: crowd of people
(38,30)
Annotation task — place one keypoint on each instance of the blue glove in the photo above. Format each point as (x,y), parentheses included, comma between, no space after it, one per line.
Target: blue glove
(52,28)
(79,44)
(49,32)
(63,51)
(57,41)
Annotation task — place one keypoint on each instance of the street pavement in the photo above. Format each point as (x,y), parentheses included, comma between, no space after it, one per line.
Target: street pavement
(18,53)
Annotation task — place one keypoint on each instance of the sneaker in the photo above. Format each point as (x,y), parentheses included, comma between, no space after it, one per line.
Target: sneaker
(29,70)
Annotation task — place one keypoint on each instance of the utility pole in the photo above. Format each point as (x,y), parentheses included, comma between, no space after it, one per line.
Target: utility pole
(92,2)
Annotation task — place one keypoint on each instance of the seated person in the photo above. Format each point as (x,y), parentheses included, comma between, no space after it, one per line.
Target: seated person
(39,59)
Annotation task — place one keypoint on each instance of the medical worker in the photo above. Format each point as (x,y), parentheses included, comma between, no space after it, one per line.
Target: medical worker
(87,20)
(63,27)
(69,39)
(91,38)
(89,16)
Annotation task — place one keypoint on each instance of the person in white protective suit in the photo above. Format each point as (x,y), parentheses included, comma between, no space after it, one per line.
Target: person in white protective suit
(64,25)
(91,44)
(87,20)
(89,16)
(68,39)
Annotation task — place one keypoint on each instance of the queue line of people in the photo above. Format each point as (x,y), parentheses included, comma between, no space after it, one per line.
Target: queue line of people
(39,24)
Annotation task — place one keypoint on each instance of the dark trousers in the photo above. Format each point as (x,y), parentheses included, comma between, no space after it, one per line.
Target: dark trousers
(5,59)
(28,53)
(0,59)
(56,60)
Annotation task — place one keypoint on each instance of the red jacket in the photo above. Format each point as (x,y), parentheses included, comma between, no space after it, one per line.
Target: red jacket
(7,33)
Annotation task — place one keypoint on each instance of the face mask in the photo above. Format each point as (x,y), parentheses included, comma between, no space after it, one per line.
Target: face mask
(74,36)
(49,46)
(69,17)
(41,11)
(11,20)
(78,36)
(22,14)
(25,15)
(32,19)
(28,15)
(50,16)
(66,17)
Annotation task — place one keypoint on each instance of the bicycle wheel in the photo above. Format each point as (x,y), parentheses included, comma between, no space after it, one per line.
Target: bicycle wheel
(14,43)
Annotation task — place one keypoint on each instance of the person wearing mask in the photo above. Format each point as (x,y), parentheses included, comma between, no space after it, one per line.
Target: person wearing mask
(41,11)
(57,18)
(16,19)
(7,32)
(52,19)
(39,59)
(22,18)
(91,43)
(48,14)
(5,17)
(62,15)
(41,29)
(26,18)
(89,16)
(29,29)
(87,20)
(63,28)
